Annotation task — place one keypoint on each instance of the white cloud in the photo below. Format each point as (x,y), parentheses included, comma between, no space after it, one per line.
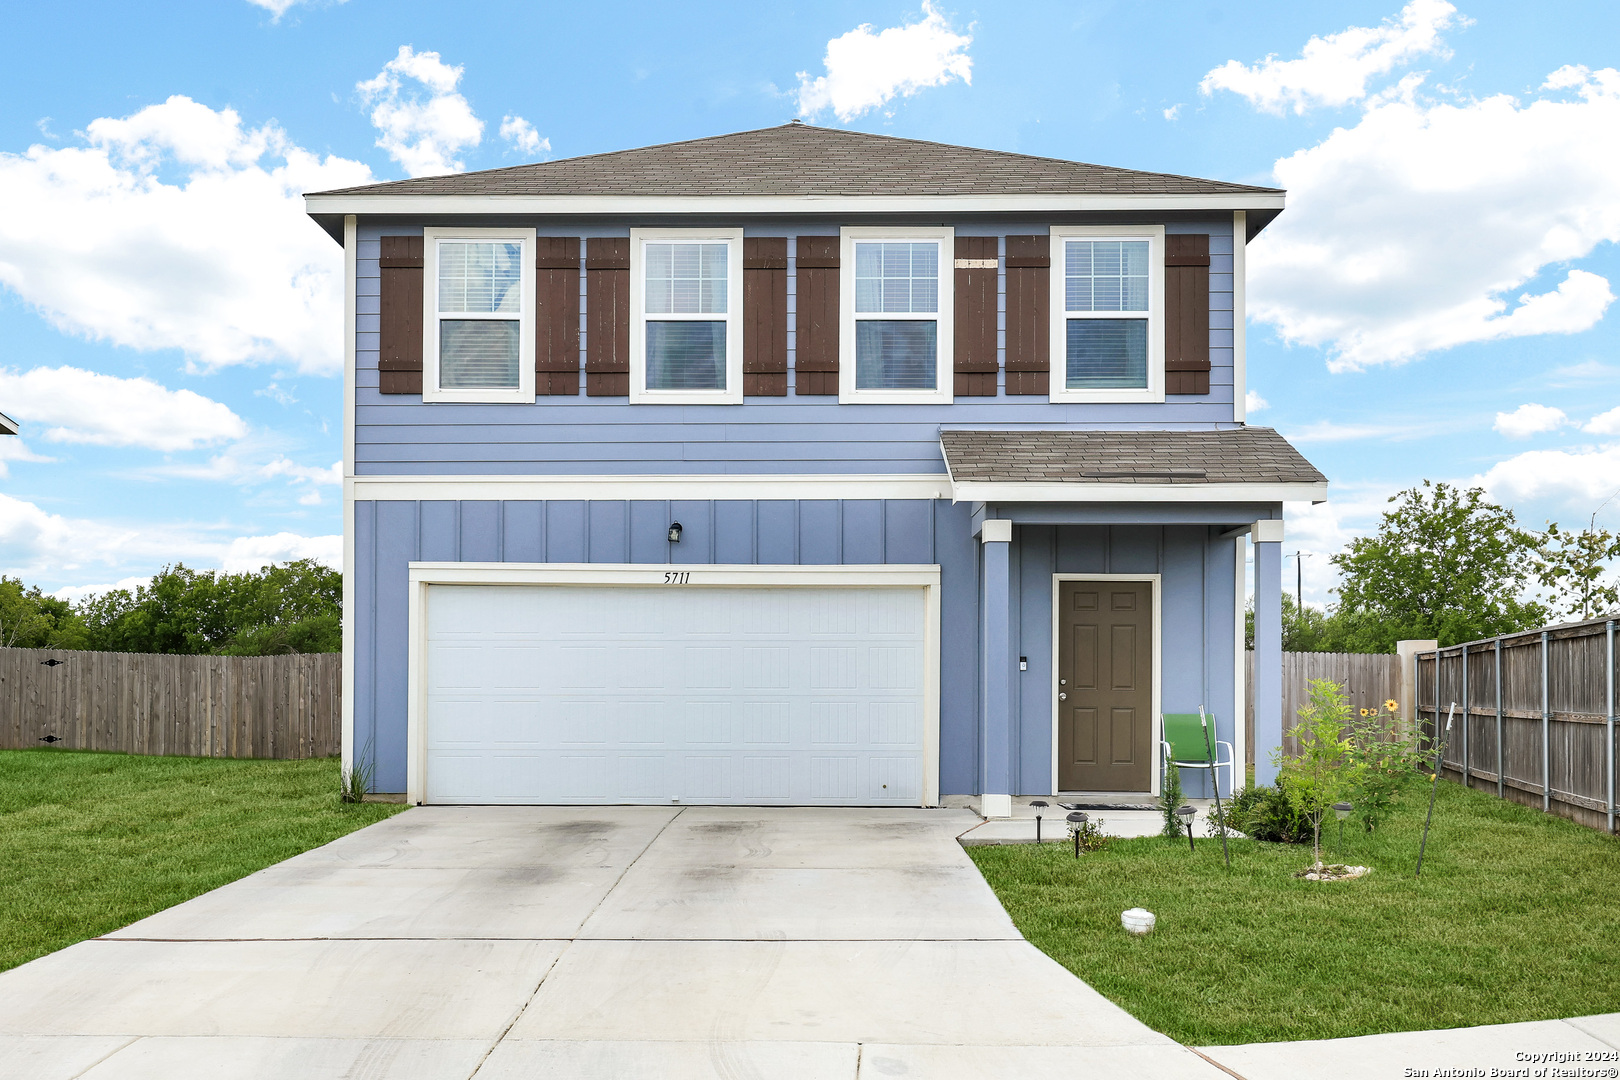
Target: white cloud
(423,132)
(12,448)
(276,394)
(1332,431)
(1409,231)
(1335,70)
(1604,423)
(78,406)
(1173,112)
(278,8)
(866,70)
(1577,478)
(75,593)
(522,137)
(178,228)
(1253,402)
(255,552)
(1528,420)
(36,544)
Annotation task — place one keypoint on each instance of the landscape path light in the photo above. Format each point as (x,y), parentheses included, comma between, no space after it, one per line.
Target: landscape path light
(1077,822)
(1185,813)
(1039,805)
(1341,810)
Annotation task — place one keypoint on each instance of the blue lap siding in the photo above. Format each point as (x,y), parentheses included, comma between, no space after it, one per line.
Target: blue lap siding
(1196,604)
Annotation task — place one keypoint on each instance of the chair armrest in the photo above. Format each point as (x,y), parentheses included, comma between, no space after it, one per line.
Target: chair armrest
(1231,754)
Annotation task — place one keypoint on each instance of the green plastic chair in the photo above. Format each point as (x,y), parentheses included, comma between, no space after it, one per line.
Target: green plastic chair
(1185,747)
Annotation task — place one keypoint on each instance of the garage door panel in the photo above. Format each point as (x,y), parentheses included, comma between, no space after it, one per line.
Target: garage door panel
(633,694)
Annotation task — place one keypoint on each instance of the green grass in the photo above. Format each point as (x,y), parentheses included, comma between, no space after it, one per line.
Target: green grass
(1514,919)
(91,842)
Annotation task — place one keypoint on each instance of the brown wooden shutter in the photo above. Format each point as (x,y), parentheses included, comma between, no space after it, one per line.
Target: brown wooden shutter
(607,306)
(973,350)
(399,346)
(556,315)
(765,316)
(815,337)
(1029,328)
(1186,314)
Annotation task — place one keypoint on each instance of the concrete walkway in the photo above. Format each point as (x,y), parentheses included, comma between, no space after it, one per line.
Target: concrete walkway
(620,942)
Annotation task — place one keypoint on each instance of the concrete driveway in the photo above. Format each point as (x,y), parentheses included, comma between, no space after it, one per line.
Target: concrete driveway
(619,942)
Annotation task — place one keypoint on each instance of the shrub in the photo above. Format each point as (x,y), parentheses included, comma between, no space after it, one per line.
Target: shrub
(1386,757)
(1265,813)
(1170,799)
(1092,837)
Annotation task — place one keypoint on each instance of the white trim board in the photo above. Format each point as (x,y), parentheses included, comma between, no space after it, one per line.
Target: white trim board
(351,250)
(685,486)
(426,574)
(340,203)
(1158,637)
(1078,492)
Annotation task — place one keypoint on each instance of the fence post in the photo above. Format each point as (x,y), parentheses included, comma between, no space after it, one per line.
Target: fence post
(1465,705)
(1499,781)
(1546,729)
(1608,671)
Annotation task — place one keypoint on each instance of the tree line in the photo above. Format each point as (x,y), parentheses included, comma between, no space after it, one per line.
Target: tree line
(1447,563)
(294,607)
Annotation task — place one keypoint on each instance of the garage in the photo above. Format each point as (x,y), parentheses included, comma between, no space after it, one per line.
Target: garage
(653,687)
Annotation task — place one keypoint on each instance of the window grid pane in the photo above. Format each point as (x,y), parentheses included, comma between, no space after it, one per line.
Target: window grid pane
(686,279)
(686,355)
(1106,354)
(895,354)
(893,277)
(478,354)
(1105,275)
(480,278)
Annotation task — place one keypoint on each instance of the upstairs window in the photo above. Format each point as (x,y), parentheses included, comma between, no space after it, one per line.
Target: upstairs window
(1107,334)
(685,301)
(479,340)
(897,330)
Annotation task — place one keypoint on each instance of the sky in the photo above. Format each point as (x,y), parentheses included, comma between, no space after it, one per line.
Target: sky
(1436,303)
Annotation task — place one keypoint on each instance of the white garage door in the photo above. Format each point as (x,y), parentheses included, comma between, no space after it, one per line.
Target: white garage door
(634,694)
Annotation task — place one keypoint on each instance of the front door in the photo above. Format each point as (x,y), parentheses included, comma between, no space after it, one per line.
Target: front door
(1105,686)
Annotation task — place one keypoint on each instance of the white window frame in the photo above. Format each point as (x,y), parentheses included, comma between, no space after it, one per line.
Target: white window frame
(431,391)
(733,392)
(1059,340)
(944,389)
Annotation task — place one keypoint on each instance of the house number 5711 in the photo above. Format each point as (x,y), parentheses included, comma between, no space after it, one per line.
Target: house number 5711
(678,577)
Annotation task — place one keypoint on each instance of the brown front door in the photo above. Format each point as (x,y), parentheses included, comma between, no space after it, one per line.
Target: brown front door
(1105,686)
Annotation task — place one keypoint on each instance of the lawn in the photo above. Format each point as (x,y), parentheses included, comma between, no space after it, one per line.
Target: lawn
(91,842)
(1515,918)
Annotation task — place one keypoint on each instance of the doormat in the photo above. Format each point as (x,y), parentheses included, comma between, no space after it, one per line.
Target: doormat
(1107,806)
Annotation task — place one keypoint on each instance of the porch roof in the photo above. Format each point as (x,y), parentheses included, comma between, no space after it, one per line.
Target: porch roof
(1248,464)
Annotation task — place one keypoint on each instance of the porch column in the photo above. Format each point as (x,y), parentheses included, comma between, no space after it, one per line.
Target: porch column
(1268,718)
(996,709)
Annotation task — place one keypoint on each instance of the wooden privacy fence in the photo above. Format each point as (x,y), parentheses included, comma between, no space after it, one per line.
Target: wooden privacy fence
(146,703)
(1368,680)
(1535,716)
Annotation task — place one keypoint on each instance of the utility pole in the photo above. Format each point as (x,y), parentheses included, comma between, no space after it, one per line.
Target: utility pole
(1299,558)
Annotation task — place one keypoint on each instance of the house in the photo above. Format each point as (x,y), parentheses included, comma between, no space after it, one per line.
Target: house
(8,426)
(799,466)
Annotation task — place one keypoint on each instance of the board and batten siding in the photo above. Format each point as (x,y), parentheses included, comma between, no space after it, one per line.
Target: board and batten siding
(1197,583)
(580,434)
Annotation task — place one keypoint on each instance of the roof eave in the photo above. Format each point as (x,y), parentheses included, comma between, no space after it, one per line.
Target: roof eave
(1023,491)
(329,207)
(8,426)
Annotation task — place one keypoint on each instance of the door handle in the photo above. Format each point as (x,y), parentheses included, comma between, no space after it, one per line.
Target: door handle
(1063,697)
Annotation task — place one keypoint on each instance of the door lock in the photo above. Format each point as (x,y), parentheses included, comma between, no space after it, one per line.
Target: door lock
(1063,697)
(1063,682)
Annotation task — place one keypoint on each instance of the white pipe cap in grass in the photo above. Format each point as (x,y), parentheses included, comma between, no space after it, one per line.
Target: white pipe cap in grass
(1137,920)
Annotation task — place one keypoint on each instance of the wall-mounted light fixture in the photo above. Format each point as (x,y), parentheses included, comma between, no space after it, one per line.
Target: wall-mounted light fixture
(675,532)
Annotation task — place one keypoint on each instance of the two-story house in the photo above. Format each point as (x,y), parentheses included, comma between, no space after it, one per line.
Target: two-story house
(799,466)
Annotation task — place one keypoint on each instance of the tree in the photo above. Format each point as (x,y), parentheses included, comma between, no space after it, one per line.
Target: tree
(1571,567)
(1445,563)
(295,607)
(31,619)
(1326,770)
(1303,630)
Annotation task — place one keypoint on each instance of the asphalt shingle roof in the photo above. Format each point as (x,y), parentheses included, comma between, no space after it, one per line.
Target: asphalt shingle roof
(802,159)
(1252,455)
